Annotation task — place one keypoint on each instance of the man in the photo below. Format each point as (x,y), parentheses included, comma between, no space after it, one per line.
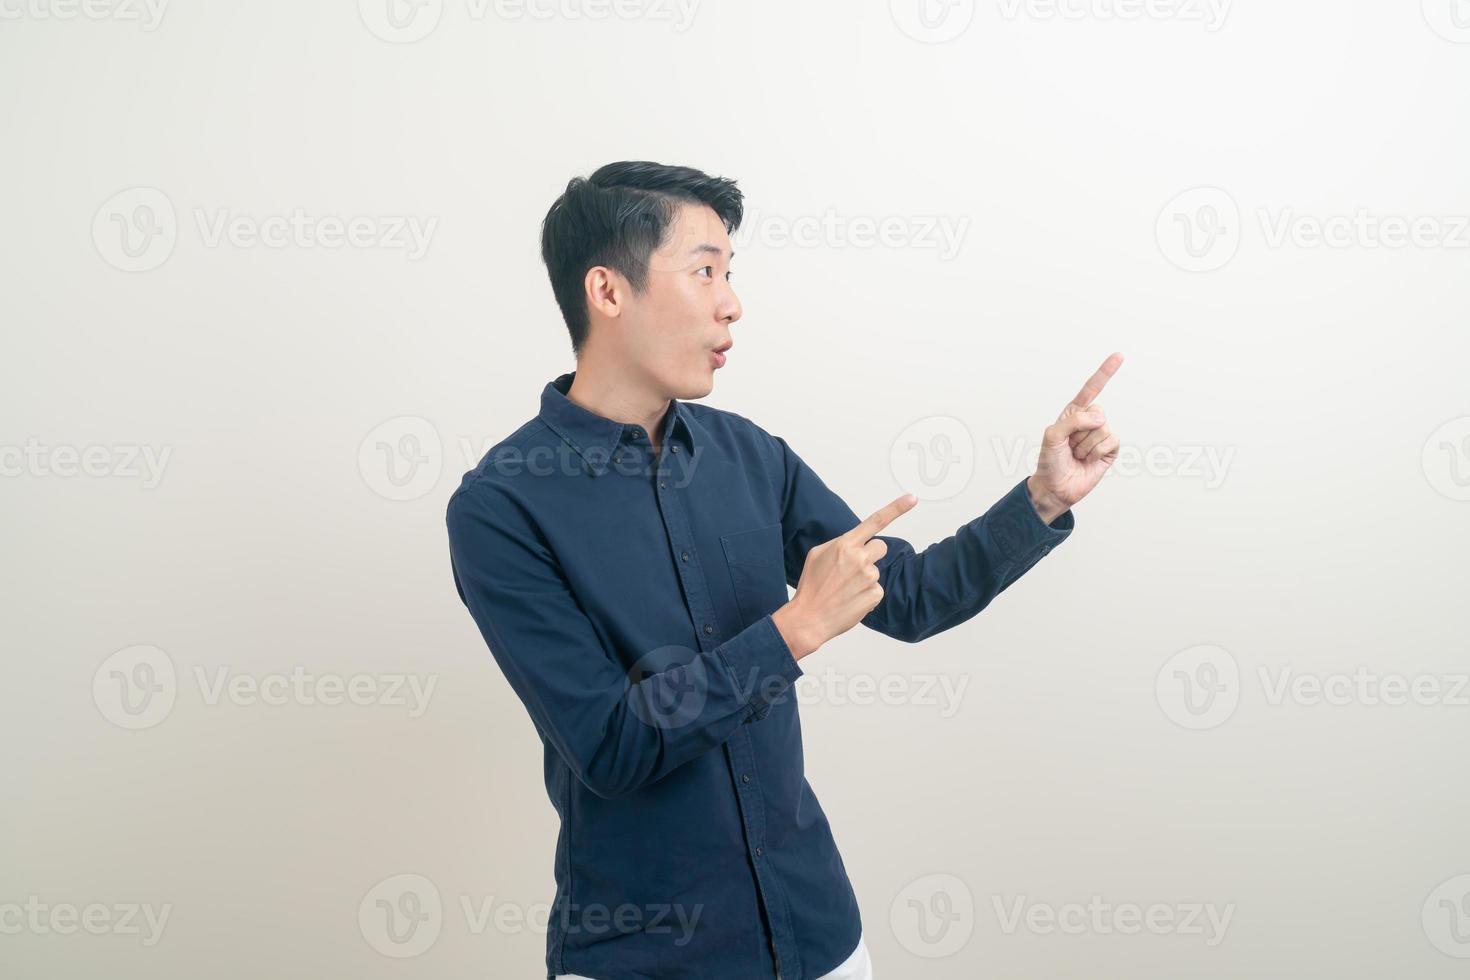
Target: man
(626,555)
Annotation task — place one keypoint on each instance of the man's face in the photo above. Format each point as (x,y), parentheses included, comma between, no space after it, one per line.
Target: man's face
(672,329)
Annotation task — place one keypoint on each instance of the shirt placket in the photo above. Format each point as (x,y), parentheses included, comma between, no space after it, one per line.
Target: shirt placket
(739,751)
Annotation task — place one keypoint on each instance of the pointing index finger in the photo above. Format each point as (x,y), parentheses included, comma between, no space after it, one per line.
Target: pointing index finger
(882,517)
(1094,386)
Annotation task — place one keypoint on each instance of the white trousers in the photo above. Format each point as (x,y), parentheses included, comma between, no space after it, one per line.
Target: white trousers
(856,967)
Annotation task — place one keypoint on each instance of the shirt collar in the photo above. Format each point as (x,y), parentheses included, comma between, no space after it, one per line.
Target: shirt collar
(595,437)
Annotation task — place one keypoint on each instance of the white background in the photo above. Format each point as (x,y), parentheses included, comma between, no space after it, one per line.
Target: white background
(1326,381)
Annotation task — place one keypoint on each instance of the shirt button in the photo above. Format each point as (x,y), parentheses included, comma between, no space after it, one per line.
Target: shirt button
(759,851)
(745,777)
(684,555)
(673,449)
(662,485)
(617,459)
(708,628)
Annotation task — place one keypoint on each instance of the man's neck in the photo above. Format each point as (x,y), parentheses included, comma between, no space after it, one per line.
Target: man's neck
(600,391)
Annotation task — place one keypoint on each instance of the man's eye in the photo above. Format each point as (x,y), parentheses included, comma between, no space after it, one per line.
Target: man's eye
(709,267)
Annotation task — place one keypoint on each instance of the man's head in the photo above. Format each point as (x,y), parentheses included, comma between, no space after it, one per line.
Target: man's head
(639,259)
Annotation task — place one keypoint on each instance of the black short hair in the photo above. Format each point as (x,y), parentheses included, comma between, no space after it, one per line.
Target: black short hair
(618,217)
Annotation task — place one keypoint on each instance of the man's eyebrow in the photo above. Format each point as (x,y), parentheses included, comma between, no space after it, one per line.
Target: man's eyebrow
(703,247)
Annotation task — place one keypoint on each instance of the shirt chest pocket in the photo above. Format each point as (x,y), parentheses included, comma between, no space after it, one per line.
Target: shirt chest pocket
(757,570)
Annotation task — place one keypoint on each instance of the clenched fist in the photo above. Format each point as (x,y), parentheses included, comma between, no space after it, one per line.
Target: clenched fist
(839,583)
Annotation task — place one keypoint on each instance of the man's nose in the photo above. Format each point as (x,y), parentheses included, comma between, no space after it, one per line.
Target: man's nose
(730,309)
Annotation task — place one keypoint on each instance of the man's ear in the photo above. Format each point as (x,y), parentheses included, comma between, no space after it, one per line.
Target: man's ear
(607,291)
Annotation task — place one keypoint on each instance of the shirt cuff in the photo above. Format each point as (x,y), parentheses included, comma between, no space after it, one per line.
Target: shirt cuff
(1018,529)
(762,665)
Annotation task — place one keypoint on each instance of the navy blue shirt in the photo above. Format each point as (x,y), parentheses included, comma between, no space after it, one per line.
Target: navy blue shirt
(628,601)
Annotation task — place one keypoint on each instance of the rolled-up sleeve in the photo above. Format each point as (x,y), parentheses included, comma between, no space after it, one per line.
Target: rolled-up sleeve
(616,730)
(925,592)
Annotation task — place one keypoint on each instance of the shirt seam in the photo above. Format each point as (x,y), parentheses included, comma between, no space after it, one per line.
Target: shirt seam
(481,478)
(561,933)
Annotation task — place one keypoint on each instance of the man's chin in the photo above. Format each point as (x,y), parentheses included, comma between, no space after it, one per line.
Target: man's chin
(697,388)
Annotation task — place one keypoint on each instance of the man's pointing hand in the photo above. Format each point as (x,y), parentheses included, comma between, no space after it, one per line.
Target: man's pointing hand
(1076,449)
(839,583)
